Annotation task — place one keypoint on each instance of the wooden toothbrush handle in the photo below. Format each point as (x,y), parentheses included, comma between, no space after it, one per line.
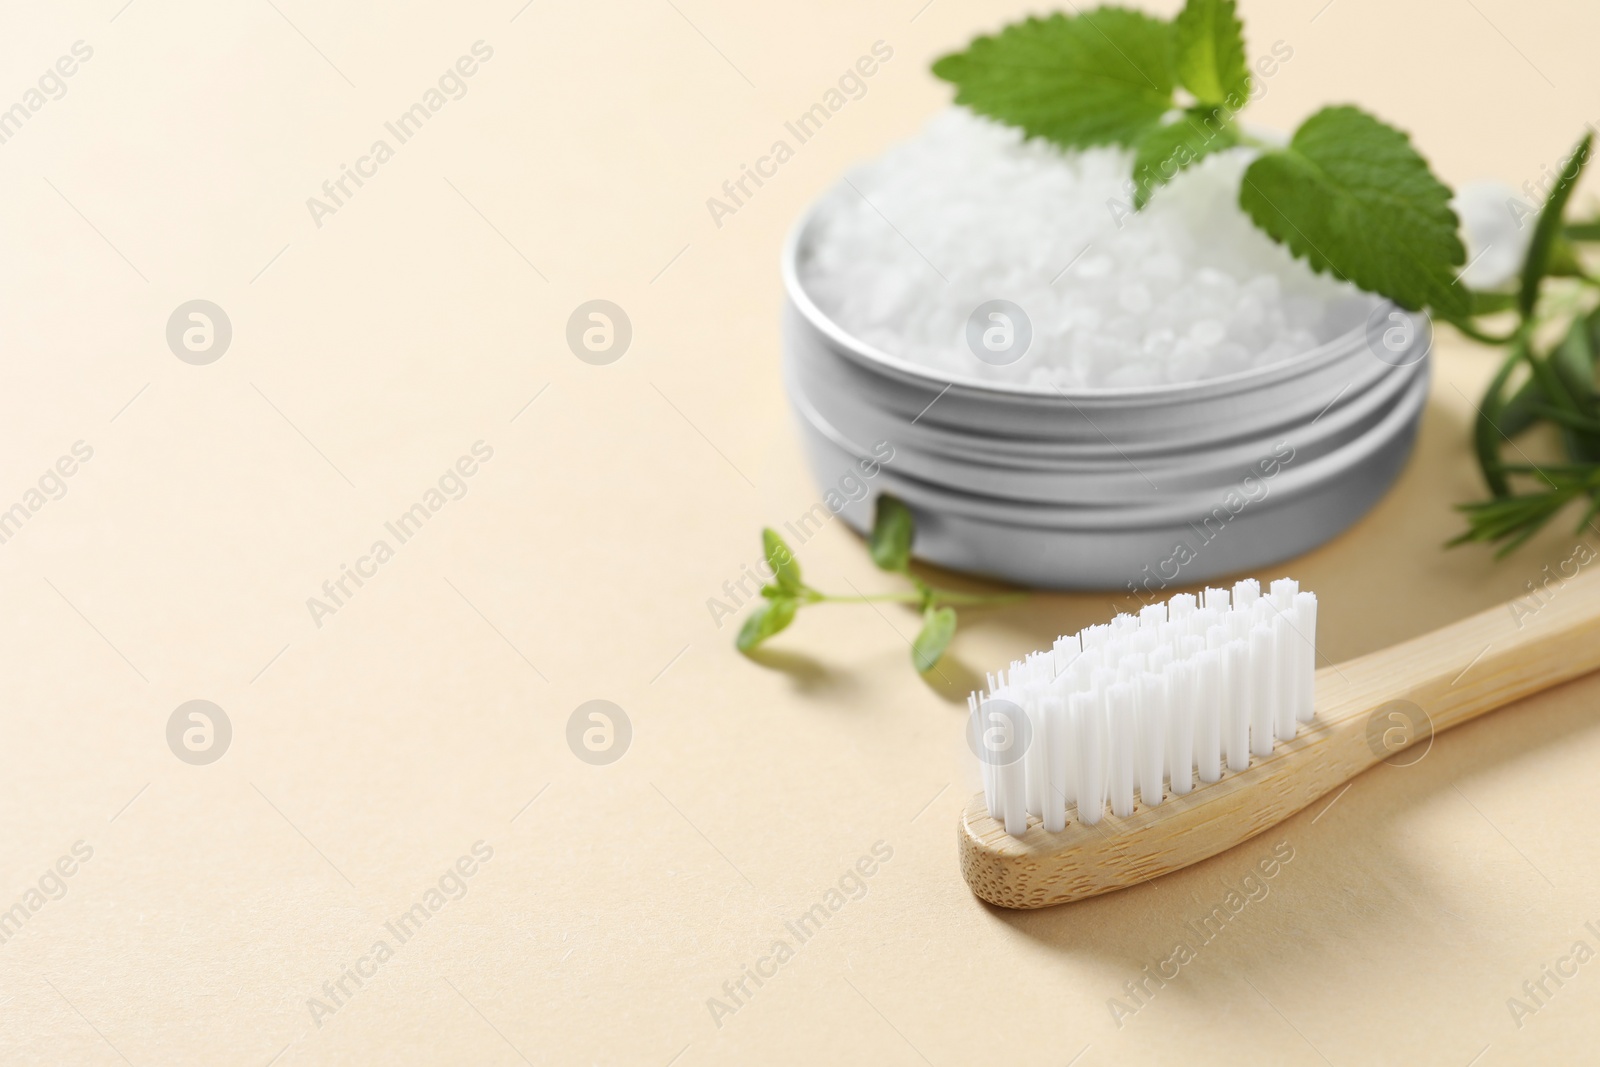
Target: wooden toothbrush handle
(1368,709)
(1483,662)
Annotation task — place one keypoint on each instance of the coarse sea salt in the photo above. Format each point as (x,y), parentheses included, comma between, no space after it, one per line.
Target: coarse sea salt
(903,252)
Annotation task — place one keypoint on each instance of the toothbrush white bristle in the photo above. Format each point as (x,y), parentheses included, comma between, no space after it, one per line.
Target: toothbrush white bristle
(1147,705)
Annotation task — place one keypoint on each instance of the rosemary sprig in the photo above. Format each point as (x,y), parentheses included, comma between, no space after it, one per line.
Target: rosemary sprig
(1540,382)
(1514,518)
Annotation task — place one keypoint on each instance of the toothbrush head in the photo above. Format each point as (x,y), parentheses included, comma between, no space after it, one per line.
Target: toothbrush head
(1141,712)
(1194,723)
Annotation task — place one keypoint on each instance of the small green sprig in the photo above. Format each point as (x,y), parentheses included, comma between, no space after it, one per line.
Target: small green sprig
(1546,378)
(893,531)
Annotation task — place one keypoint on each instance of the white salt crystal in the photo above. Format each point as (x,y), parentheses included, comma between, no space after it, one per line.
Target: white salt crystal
(1163,266)
(1187,288)
(1248,313)
(1264,287)
(1095,266)
(1186,361)
(1207,332)
(1135,298)
(1133,374)
(1157,341)
(1230,358)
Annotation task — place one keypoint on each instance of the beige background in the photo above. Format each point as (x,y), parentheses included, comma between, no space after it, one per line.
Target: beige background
(370,753)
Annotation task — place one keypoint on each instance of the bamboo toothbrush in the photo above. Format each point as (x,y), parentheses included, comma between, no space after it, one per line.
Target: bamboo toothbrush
(1207,710)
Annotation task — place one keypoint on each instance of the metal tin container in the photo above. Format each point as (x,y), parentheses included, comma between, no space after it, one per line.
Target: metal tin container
(1124,488)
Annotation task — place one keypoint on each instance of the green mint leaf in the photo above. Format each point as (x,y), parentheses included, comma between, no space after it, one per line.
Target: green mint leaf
(1102,77)
(1209,53)
(768,618)
(1163,152)
(1350,196)
(893,530)
(1547,231)
(938,627)
(785,568)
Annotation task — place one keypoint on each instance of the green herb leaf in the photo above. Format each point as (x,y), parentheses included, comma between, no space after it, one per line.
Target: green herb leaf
(1486,428)
(1564,262)
(1512,520)
(938,627)
(1522,410)
(1528,404)
(1165,151)
(1560,402)
(1582,231)
(893,530)
(1571,367)
(1349,195)
(1547,231)
(1209,42)
(769,618)
(1103,77)
(1593,321)
(1491,303)
(780,557)
(1573,361)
